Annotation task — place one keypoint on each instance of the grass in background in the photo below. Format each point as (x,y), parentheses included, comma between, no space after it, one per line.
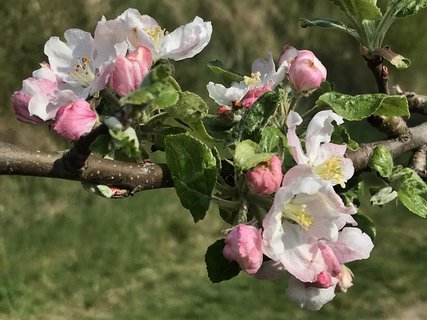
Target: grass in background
(66,254)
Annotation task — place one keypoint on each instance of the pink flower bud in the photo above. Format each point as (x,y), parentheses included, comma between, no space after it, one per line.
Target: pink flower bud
(129,71)
(243,244)
(266,177)
(324,280)
(345,279)
(253,94)
(20,101)
(306,71)
(74,120)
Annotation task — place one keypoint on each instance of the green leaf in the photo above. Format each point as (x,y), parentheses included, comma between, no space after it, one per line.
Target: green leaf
(411,190)
(193,169)
(190,108)
(354,193)
(381,161)
(218,267)
(414,203)
(157,89)
(361,9)
(246,157)
(256,118)
(408,180)
(125,142)
(355,108)
(393,106)
(383,196)
(407,7)
(365,224)
(159,140)
(341,136)
(225,76)
(272,140)
(328,23)
(101,145)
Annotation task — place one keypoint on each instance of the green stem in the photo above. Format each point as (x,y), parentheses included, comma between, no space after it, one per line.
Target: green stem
(226,203)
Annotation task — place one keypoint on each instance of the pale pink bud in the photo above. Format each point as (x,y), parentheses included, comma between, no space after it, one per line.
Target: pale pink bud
(266,177)
(345,279)
(243,244)
(130,71)
(74,120)
(289,53)
(20,101)
(253,94)
(306,71)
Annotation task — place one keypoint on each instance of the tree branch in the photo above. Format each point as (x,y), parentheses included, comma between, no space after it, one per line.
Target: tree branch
(417,103)
(131,176)
(416,139)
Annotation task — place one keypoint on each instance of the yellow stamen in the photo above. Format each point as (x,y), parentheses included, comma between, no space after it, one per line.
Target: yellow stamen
(331,170)
(156,35)
(82,72)
(299,214)
(254,79)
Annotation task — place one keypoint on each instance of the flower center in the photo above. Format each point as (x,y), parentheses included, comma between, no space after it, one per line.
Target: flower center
(254,79)
(156,35)
(299,214)
(82,73)
(331,170)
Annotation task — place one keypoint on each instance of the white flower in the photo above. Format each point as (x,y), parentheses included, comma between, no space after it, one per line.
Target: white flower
(264,74)
(131,30)
(325,158)
(303,213)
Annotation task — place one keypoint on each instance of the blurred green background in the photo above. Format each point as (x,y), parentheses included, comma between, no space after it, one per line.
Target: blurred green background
(65,254)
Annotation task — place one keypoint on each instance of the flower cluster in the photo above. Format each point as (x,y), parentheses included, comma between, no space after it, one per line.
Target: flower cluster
(286,214)
(63,92)
(308,231)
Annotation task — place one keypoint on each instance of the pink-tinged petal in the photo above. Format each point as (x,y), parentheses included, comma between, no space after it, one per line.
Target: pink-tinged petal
(243,244)
(289,53)
(129,71)
(302,257)
(266,177)
(253,94)
(74,120)
(20,102)
(45,72)
(319,131)
(352,244)
(294,120)
(109,41)
(299,172)
(336,202)
(306,71)
(60,56)
(333,266)
(309,297)
(270,270)
(267,69)
(187,40)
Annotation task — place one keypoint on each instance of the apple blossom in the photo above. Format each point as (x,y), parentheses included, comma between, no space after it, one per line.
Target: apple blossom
(243,244)
(74,120)
(264,77)
(266,177)
(41,96)
(326,159)
(303,212)
(133,30)
(129,71)
(306,72)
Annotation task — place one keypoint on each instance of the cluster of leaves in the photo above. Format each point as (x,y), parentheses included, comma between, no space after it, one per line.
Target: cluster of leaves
(368,25)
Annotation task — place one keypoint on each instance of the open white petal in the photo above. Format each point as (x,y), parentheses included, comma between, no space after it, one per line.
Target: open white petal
(225,96)
(187,40)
